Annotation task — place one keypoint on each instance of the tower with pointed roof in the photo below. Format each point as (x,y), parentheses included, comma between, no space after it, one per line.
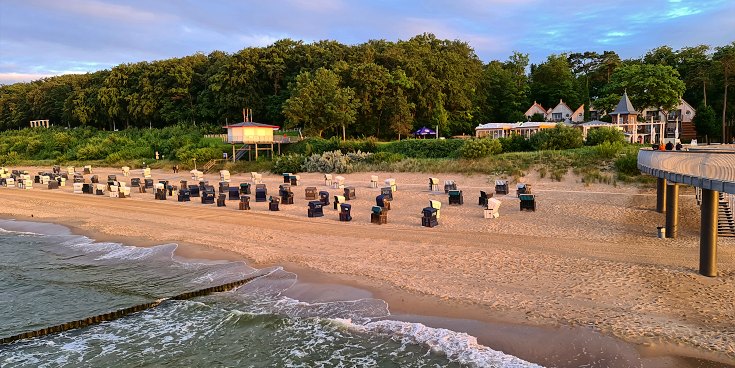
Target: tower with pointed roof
(624,113)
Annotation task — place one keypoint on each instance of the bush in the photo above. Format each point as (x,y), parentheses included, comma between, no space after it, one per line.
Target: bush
(515,143)
(335,161)
(560,137)
(477,148)
(292,163)
(424,148)
(599,135)
(628,164)
(385,157)
(608,150)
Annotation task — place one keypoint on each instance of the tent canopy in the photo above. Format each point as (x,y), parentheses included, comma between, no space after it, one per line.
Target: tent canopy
(424,131)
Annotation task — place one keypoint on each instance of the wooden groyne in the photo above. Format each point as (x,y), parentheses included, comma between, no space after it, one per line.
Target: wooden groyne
(124,312)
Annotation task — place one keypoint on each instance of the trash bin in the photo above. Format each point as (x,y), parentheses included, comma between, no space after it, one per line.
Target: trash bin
(661,232)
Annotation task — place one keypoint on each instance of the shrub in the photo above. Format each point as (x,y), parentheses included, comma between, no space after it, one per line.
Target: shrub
(558,138)
(424,148)
(607,150)
(628,164)
(292,163)
(515,143)
(600,135)
(477,148)
(385,157)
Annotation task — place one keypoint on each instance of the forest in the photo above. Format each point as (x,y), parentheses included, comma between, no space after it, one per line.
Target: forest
(379,88)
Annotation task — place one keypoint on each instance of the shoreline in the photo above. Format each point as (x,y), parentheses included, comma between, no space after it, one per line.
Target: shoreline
(404,303)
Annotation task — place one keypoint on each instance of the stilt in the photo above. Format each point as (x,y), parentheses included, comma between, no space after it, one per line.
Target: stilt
(661,195)
(708,234)
(672,210)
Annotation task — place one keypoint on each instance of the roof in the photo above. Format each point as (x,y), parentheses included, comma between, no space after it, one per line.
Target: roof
(248,124)
(579,109)
(538,108)
(624,106)
(561,105)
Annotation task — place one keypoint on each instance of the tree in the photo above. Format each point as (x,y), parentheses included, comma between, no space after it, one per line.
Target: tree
(725,58)
(553,81)
(498,97)
(705,121)
(648,86)
(318,102)
(401,116)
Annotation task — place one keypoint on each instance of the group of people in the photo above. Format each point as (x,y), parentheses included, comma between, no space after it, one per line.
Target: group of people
(667,147)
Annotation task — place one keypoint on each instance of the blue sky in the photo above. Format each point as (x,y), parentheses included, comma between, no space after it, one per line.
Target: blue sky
(39,38)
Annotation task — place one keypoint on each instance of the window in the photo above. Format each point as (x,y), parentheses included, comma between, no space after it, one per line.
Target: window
(556,116)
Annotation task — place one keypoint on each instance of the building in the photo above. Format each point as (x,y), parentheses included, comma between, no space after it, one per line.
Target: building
(502,130)
(624,113)
(561,113)
(249,132)
(536,108)
(682,116)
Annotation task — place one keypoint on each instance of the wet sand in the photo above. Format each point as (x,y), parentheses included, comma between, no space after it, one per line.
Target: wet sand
(585,270)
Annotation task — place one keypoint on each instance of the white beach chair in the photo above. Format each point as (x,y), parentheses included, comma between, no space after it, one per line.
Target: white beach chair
(9,182)
(70,170)
(126,170)
(256,178)
(147,173)
(390,182)
(493,208)
(373,181)
(434,186)
(87,169)
(328,179)
(438,206)
(78,188)
(339,182)
(114,191)
(224,175)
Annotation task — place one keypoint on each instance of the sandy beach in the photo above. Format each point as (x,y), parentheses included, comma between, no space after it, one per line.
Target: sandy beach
(588,260)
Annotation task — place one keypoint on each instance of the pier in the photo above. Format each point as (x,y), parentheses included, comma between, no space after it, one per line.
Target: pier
(710,169)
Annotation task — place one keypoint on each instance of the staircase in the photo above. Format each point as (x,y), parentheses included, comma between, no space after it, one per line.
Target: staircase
(242,152)
(210,164)
(688,131)
(725,218)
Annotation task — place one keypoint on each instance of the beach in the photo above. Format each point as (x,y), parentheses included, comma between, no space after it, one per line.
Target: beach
(586,261)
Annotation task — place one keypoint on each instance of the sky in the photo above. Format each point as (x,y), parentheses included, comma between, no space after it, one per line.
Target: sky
(41,38)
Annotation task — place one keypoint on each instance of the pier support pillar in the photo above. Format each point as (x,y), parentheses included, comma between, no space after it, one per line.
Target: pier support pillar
(708,234)
(661,195)
(672,210)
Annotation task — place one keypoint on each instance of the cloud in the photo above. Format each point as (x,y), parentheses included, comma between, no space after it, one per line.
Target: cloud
(99,9)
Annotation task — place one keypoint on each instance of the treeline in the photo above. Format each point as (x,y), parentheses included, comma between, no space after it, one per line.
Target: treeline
(379,88)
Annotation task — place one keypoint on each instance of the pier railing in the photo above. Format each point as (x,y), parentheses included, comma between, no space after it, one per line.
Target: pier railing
(708,169)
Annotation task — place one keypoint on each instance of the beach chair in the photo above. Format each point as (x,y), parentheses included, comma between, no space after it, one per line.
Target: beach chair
(383,201)
(244,188)
(224,187)
(449,185)
(233,193)
(387,192)
(528,202)
(456,197)
(339,182)
(256,178)
(492,209)
(194,191)
(44,179)
(284,191)
(391,183)
(337,200)
(294,179)
(287,178)
(114,191)
(56,169)
(196,175)
(261,193)
(207,194)
(310,193)
(484,196)
(135,182)
(70,170)
(160,192)
(100,189)
(433,184)
(437,206)
(94,179)
(378,216)
(126,171)
(273,203)
(52,184)
(77,188)
(184,195)
(87,169)
(9,182)
(349,193)
(523,188)
(244,204)
(221,200)
(147,173)
(224,175)
(78,178)
(148,183)
(315,209)
(428,217)
(324,198)
(345,212)
(373,181)
(124,191)
(328,180)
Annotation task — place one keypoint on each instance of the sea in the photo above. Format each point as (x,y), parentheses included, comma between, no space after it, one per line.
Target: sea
(49,276)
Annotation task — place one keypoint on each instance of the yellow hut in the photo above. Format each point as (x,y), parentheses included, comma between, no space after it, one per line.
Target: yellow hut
(253,136)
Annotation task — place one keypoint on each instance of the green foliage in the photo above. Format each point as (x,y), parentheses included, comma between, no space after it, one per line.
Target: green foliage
(628,164)
(385,157)
(424,148)
(334,161)
(648,86)
(604,134)
(477,148)
(292,163)
(706,122)
(515,143)
(557,138)
(608,150)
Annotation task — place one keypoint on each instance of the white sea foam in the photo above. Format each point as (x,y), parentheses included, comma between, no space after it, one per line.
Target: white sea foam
(457,346)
